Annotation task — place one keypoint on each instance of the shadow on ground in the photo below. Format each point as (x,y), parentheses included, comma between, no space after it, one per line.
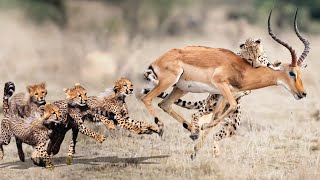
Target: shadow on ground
(60,161)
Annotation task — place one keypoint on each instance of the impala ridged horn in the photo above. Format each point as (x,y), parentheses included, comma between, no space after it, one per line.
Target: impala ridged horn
(292,52)
(304,41)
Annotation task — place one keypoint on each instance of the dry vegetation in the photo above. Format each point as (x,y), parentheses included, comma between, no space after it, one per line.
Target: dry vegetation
(278,137)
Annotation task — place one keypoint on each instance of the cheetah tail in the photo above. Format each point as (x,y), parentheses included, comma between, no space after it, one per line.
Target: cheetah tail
(9,89)
(179,102)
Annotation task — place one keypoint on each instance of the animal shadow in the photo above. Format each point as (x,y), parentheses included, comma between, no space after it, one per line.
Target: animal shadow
(61,161)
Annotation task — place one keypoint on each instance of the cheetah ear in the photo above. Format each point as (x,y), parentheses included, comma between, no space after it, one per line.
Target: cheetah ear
(65,90)
(258,41)
(77,84)
(115,89)
(241,46)
(29,89)
(43,85)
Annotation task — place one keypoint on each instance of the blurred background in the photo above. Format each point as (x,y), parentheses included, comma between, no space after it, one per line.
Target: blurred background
(95,42)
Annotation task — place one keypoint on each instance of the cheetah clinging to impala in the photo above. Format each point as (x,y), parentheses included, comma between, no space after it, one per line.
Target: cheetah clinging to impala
(218,71)
(251,51)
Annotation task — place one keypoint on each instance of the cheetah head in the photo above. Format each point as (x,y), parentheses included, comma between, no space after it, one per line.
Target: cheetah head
(123,87)
(50,115)
(38,93)
(76,96)
(251,51)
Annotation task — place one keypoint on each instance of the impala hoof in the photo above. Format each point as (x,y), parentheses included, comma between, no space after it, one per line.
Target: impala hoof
(193,156)
(194,136)
(160,133)
(69,160)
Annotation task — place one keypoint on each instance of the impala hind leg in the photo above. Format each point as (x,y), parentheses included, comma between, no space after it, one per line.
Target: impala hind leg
(167,103)
(158,89)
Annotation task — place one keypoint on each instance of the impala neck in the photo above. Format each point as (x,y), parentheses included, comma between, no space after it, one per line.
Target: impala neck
(256,78)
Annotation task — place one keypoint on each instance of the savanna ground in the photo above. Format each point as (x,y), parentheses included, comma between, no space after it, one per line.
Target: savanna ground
(278,137)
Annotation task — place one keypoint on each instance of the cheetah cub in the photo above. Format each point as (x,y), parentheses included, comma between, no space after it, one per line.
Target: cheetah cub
(252,51)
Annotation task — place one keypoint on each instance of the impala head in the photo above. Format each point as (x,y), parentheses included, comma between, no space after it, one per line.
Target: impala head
(291,78)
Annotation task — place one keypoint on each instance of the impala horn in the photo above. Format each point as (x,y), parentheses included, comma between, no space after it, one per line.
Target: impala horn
(304,41)
(292,52)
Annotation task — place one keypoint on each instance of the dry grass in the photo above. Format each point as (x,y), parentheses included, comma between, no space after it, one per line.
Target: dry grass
(278,137)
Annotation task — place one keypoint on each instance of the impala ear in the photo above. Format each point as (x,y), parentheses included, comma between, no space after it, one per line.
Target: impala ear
(241,46)
(303,66)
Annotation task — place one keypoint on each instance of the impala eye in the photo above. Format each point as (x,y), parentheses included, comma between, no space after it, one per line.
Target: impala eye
(292,74)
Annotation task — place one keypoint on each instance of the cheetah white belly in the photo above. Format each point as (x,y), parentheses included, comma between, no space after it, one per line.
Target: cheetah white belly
(197,87)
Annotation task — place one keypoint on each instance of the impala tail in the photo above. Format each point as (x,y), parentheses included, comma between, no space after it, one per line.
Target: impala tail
(150,75)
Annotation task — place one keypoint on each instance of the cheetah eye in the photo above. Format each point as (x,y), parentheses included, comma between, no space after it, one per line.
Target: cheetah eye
(36,94)
(42,92)
(79,95)
(53,112)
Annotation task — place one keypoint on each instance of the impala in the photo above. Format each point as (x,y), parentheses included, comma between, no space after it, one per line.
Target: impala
(201,69)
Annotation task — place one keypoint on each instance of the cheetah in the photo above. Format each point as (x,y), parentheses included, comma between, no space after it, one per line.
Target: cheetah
(115,105)
(73,110)
(109,104)
(24,104)
(252,51)
(31,130)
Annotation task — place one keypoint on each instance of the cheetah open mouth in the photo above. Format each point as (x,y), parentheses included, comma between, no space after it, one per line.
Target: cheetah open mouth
(42,102)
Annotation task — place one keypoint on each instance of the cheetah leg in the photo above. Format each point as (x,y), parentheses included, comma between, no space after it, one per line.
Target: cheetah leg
(195,122)
(20,150)
(72,145)
(136,126)
(108,123)
(55,143)
(5,136)
(40,150)
(220,105)
(229,129)
(86,131)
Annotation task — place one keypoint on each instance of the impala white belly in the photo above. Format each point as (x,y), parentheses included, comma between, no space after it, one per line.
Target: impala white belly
(197,87)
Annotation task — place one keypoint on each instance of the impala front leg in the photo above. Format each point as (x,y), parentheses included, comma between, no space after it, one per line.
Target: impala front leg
(227,94)
(166,105)
(225,91)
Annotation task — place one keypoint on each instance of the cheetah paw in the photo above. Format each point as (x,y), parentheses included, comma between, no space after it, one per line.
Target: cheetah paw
(50,167)
(100,138)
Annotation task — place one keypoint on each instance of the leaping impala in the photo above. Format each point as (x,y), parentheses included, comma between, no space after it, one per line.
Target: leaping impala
(201,69)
